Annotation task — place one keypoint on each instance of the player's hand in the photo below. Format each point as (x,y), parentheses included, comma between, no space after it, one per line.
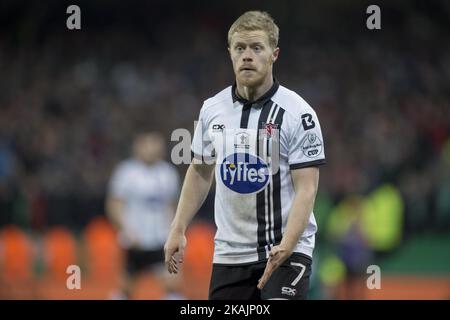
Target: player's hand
(277,256)
(174,250)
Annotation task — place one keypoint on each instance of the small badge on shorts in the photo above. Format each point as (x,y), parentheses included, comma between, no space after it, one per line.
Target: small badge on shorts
(288,291)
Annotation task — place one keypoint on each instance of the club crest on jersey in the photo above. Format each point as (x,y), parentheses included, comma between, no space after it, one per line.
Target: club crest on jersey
(244,173)
(269,129)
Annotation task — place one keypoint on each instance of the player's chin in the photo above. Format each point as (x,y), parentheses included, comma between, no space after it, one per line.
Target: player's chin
(249,81)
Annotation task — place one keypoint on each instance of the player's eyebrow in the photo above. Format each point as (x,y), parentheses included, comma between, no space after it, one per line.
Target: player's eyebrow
(257,43)
(251,44)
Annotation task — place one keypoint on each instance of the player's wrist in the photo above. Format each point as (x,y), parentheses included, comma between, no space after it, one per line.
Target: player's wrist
(178,227)
(288,245)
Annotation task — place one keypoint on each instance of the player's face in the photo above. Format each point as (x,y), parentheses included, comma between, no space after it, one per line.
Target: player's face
(149,148)
(252,57)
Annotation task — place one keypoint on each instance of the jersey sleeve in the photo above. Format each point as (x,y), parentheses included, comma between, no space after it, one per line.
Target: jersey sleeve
(118,183)
(202,147)
(306,148)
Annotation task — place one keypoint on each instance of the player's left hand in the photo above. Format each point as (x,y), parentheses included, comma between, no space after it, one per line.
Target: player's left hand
(277,256)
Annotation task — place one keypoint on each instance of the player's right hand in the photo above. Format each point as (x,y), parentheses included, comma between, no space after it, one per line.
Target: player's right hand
(174,250)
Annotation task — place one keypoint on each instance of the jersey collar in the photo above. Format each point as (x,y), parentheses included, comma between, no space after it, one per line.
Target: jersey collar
(261,100)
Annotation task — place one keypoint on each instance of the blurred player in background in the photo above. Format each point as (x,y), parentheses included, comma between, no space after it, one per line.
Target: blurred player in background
(140,203)
(263,212)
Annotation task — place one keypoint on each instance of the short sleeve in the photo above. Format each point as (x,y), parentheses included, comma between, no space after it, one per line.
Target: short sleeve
(306,147)
(118,183)
(202,147)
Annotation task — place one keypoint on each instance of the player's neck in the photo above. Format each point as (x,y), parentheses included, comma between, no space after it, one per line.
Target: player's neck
(254,93)
(147,162)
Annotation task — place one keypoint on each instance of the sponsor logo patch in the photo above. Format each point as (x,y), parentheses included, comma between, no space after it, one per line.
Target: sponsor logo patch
(244,173)
(288,291)
(218,127)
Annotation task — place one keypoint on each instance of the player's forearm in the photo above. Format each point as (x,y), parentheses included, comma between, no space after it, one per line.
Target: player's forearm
(195,189)
(302,206)
(114,209)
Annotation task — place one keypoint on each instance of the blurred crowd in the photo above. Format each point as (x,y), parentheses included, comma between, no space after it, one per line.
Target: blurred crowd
(70,103)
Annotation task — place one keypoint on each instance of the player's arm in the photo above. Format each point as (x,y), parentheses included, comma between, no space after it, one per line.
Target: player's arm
(194,191)
(305,181)
(114,210)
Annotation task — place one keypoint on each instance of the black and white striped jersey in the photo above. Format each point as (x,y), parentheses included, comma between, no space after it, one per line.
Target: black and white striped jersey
(255,145)
(148,193)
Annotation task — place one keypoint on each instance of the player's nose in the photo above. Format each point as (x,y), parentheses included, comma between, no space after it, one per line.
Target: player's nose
(247,55)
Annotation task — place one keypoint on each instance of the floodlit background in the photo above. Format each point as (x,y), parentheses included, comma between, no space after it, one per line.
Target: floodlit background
(70,102)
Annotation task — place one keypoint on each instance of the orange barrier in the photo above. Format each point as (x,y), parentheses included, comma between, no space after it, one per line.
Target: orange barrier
(17,263)
(104,259)
(60,251)
(100,259)
(17,254)
(103,254)
(198,258)
(101,264)
(148,287)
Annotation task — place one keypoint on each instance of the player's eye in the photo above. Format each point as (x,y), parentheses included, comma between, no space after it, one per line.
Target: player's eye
(239,49)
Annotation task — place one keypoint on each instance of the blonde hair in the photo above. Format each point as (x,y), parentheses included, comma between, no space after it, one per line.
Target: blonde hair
(253,21)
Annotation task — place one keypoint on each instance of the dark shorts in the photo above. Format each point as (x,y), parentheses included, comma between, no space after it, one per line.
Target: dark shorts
(290,281)
(143,260)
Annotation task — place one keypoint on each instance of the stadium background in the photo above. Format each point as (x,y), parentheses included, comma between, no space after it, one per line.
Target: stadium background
(70,102)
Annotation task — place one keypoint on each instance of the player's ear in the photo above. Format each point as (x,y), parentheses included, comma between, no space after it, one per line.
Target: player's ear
(275,54)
